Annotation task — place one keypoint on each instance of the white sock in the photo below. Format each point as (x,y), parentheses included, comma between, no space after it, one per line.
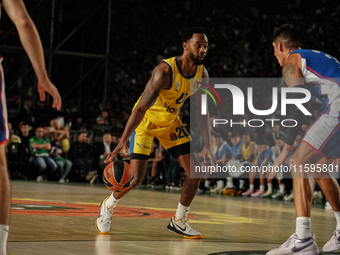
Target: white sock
(270,186)
(111,201)
(230,182)
(337,217)
(262,188)
(303,227)
(251,186)
(241,185)
(220,183)
(207,184)
(182,211)
(3,238)
(282,188)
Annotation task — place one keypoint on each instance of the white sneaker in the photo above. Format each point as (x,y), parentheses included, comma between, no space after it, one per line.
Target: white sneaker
(267,194)
(182,227)
(225,188)
(217,189)
(62,180)
(334,243)
(40,179)
(278,195)
(103,222)
(294,245)
(289,197)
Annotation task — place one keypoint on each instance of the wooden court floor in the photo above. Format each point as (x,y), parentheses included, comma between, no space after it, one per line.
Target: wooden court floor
(53,218)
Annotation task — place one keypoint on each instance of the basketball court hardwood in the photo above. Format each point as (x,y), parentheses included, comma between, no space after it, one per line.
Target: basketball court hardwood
(53,218)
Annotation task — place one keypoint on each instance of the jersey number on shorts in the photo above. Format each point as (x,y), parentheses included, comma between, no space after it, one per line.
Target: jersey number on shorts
(181,130)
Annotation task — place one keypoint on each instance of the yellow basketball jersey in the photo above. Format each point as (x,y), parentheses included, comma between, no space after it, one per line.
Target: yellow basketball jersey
(164,111)
(246,152)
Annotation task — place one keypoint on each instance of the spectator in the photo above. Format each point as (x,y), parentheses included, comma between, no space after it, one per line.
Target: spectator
(248,152)
(81,154)
(26,114)
(223,153)
(275,134)
(47,131)
(276,150)
(173,169)
(236,142)
(79,124)
(62,134)
(25,137)
(264,159)
(41,147)
(15,152)
(114,141)
(13,138)
(103,149)
(103,118)
(58,156)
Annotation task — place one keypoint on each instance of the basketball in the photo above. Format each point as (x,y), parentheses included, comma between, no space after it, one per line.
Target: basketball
(118,176)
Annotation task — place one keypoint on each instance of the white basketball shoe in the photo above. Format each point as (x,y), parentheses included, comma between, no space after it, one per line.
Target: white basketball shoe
(334,243)
(103,222)
(182,227)
(297,246)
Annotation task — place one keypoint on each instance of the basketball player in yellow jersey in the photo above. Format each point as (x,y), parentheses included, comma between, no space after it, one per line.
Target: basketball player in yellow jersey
(156,114)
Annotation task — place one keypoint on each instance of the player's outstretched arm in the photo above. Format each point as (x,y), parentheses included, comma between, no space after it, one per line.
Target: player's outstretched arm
(30,40)
(160,79)
(203,122)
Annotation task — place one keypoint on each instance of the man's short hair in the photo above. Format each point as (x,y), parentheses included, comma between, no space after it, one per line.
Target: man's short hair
(187,35)
(246,134)
(24,123)
(234,135)
(218,135)
(289,35)
(280,137)
(263,142)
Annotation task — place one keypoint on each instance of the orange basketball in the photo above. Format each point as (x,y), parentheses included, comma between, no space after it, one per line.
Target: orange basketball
(118,176)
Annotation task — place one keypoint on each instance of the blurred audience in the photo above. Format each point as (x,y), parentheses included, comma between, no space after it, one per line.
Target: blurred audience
(40,147)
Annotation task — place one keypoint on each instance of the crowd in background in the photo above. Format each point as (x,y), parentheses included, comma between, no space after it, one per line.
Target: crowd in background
(71,145)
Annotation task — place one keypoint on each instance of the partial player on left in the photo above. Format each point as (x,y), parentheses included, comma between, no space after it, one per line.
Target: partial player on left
(31,42)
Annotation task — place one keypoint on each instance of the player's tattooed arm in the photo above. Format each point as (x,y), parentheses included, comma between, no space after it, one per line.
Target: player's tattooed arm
(288,72)
(291,71)
(160,79)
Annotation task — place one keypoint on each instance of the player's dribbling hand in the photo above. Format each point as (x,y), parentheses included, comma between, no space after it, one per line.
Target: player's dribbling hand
(45,85)
(121,147)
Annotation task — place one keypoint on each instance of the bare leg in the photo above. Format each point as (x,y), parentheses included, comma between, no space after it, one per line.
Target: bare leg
(5,188)
(329,185)
(190,185)
(302,184)
(251,177)
(5,194)
(262,178)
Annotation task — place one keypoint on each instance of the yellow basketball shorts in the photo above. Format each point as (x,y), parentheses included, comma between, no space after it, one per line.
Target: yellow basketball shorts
(174,138)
